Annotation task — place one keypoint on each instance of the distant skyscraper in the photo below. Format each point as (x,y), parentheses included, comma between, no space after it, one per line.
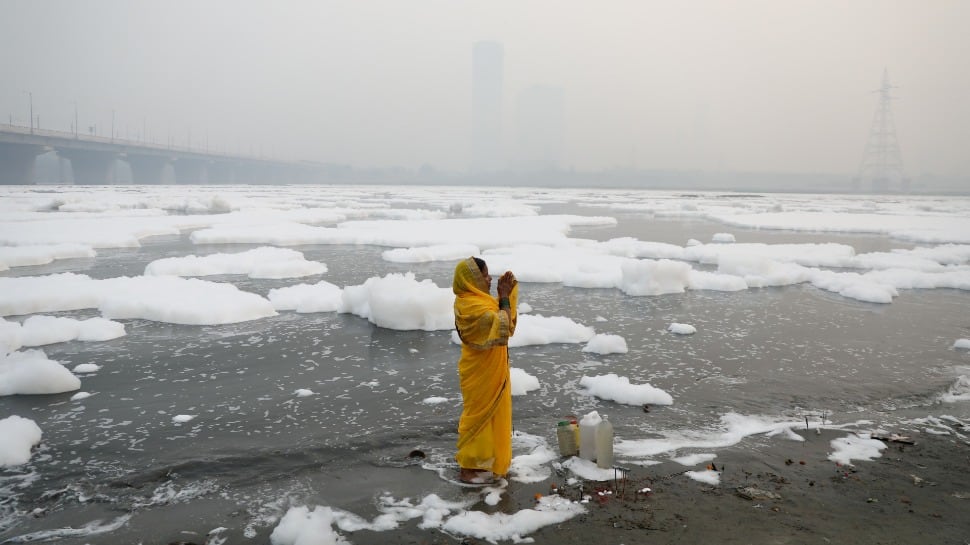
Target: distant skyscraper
(540,126)
(487,80)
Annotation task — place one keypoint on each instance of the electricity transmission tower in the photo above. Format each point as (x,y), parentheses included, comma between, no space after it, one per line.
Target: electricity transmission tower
(882,163)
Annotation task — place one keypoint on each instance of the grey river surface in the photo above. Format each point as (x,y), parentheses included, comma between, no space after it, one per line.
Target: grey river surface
(255,448)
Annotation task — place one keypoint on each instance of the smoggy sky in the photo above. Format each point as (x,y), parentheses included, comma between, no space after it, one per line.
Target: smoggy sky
(750,85)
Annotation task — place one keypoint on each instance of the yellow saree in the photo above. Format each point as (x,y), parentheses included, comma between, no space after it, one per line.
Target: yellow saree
(485,428)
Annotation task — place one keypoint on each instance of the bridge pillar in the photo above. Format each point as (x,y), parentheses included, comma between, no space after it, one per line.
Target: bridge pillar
(17,163)
(147,169)
(190,171)
(90,167)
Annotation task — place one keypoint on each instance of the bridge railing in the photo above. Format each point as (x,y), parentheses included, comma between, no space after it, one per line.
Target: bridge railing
(144,144)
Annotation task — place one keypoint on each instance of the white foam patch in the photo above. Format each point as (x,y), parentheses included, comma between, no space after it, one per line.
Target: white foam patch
(536,329)
(182,418)
(646,277)
(602,343)
(86,368)
(740,267)
(96,231)
(531,456)
(633,248)
(694,459)
(303,392)
(827,254)
(80,395)
(303,526)
(42,254)
(733,428)
(722,237)
(681,329)
(522,382)
(93,528)
(705,280)
(855,447)
(99,329)
(533,329)
(42,330)
(493,495)
(758,271)
(434,400)
(399,301)
(586,469)
(424,254)
(962,344)
(169,493)
(612,387)
(493,209)
(500,526)
(159,298)
(480,232)
(854,286)
(264,262)
(320,297)
(958,391)
(571,263)
(524,308)
(30,372)
(910,224)
(300,526)
(706,476)
(96,222)
(11,336)
(905,279)
(52,293)
(942,425)
(181,301)
(99,218)
(19,435)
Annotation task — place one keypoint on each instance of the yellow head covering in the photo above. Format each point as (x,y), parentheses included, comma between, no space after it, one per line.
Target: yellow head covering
(477,317)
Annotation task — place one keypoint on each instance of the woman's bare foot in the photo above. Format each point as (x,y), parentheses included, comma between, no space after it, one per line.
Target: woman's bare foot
(475,476)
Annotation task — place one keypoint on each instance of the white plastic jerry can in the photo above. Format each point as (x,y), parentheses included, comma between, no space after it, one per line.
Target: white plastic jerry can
(587,435)
(604,444)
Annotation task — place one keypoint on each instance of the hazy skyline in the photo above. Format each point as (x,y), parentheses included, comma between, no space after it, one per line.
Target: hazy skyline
(717,86)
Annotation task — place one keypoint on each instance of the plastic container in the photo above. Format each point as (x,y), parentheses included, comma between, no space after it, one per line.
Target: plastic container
(567,439)
(574,424)
(604,444)
(587,435)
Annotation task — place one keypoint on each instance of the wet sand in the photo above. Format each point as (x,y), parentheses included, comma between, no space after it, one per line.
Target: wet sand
(912,494)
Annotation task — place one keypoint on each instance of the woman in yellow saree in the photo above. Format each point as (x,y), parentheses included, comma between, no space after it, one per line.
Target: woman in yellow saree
(484,324)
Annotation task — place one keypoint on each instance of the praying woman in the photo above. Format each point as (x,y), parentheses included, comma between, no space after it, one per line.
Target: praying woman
(484,324)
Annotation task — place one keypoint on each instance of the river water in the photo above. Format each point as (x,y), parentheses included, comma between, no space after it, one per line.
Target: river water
(114,468)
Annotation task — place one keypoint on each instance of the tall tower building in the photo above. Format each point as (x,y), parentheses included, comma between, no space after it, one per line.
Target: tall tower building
(540,126)
(487,81)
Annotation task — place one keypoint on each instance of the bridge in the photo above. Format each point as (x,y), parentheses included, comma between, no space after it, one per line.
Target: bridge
(92,159)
